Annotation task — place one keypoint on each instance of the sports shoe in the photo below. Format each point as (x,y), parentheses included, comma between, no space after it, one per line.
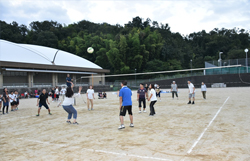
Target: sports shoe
(144,111)
(151,115)
(12,110)
(68,122)
(189,102)
(88,109)
(50,113)
(121,127)
(131,125)
(193,102)
(139,111)
(37,115)
(92,109)
(75,123)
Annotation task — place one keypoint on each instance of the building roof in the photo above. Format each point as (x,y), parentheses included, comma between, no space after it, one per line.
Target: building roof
(43,57)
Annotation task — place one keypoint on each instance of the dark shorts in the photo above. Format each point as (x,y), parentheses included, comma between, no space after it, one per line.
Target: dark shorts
(43,104)
(17,101)
(124,109)
(13,103)
(158,94)
(53,95)
(57,96)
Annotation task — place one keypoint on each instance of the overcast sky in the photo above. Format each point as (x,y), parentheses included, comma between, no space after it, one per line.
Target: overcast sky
(183,16)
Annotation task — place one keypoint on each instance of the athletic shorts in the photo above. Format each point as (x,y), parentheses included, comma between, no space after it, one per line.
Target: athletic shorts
(158,94)
(43,104)
(57,96)
(124,109)
(52,95)
(13,103)
(191,95)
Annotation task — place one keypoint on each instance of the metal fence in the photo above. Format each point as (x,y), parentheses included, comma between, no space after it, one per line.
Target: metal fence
(228,62)
(233,70)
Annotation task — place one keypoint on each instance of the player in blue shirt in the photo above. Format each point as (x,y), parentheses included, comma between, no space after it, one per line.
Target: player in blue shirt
(68,80)
(125,104)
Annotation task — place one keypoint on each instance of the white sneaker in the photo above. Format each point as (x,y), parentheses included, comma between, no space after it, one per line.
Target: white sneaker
(144,111)
(121,127)
(139,111)
(131,125)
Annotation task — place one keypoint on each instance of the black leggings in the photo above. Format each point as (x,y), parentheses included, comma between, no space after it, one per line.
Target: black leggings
(152,109)
(7,108)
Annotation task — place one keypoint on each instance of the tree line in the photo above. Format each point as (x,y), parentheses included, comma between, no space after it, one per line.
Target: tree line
(141,45)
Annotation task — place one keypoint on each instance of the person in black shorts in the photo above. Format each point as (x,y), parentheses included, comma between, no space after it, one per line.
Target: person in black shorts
(146,87)
(17,100)
(41,101)
(141,93)
(125,104)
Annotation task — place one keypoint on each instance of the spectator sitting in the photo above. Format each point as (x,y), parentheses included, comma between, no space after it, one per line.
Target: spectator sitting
(32,95)
(104,95)
(100,95)
(26,94)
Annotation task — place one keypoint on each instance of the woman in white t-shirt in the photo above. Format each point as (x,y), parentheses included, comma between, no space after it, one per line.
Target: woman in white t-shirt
(153,99)
(68,103)
(90,96)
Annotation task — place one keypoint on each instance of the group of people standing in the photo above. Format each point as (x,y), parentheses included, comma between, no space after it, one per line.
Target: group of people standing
(149,93)
(6,99)
(142,95)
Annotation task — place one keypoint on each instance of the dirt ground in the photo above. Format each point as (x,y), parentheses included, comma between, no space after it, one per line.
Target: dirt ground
(166,136)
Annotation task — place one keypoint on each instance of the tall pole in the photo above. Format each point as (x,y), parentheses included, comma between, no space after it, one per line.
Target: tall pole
(92,80)
(220,57)
(135,77)
(246,50)
(191,67)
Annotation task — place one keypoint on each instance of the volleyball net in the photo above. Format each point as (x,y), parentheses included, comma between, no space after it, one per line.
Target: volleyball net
(164,78)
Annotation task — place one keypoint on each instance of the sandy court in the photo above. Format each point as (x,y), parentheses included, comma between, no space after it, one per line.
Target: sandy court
(168,135)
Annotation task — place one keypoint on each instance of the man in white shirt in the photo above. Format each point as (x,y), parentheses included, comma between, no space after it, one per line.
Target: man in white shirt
(203,89)
(90,96)
(63,91)
(191,92)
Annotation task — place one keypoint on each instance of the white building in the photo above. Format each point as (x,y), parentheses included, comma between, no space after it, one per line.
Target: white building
(33,65)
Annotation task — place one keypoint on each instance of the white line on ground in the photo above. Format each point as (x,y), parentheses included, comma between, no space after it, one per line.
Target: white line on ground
(100,151)
(195,143)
